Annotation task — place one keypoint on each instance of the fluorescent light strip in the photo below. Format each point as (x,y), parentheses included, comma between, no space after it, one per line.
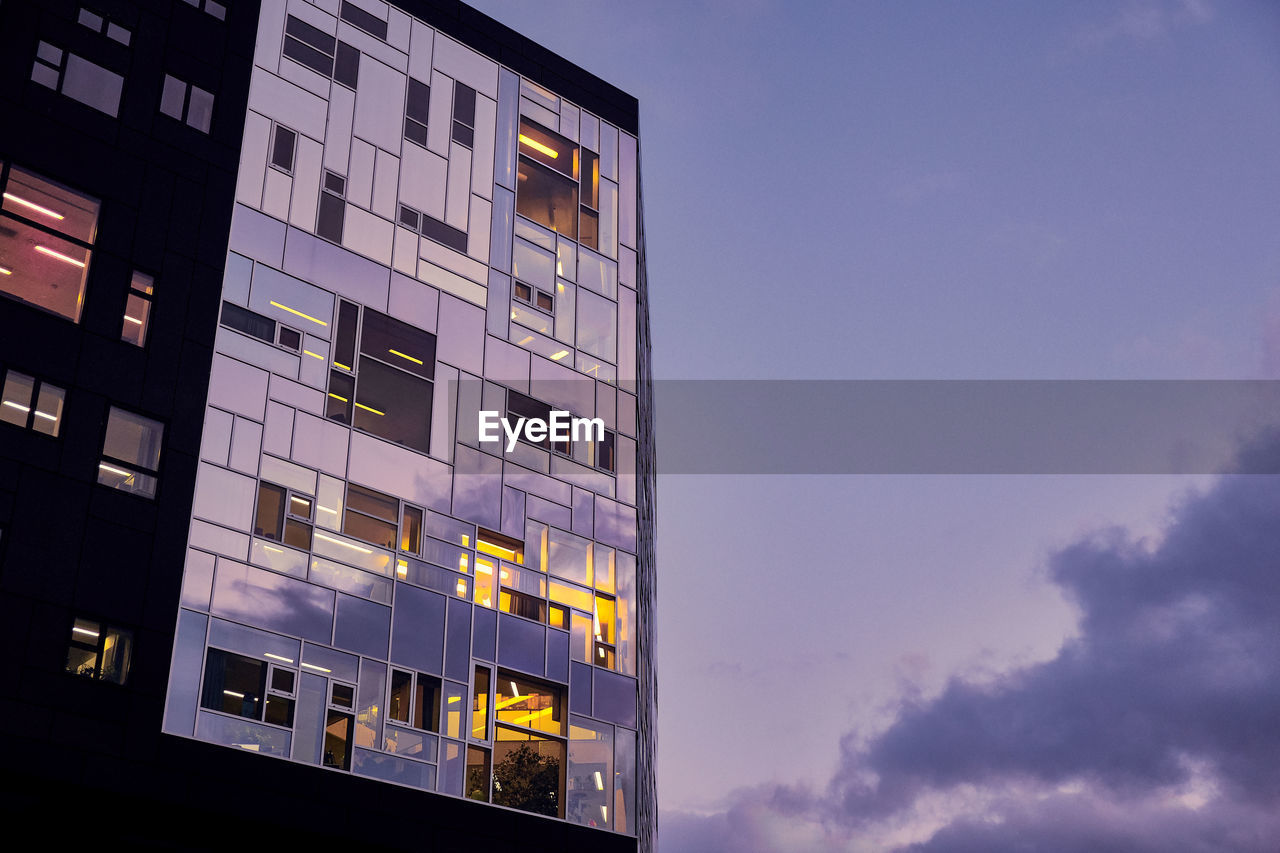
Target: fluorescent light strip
(233,693)
(526,340)
(133,320)
(316,668)
(14,405)
(46,415)
(599,781)
(539,147)
(45,250)
(367,409)
(277,657)
(402,355)
(298,313)
(32,205)
(339,397)
(339,364)
(560,355)
(86,632)
(343,544)
(312,354)
(123,473)
(5,271)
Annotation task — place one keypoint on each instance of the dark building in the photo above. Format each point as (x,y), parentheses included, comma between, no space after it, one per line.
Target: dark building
(286,291)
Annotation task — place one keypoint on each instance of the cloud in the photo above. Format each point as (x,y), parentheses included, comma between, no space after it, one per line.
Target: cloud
(1146,20)
(1157,727)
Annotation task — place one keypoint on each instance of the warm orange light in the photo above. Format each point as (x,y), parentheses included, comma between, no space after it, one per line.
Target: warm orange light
(45,250)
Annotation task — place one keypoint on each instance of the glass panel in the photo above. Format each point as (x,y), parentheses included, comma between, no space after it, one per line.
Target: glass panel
(136,313)
(597,326)
(484,594)
(527,772)
(411,530)
(308,738)
(41,269)
(16,405)
(173,97)
(270,518)
(547,197)
(426,704)
(604,620)
(337,740)
(249,322)
(549,149)
(480,704)
(399,706)
(533,265)
(449,529)
(603,564)
(398,344)
(590,777)
(624,803)
(52,205)
(580,629)
(369,696)
(454,705)
(133,438)
(344,350)
(453,768)
(243,734)
(569,558)
(200,109)
(393,405)
(477,785)
(627,627)
(533,706)
(234,684)
(350,580)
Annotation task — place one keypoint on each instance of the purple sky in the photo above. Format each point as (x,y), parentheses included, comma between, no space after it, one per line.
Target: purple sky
(895,190)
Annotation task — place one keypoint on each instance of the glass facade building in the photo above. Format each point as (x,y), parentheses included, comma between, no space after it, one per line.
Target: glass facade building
(346,255)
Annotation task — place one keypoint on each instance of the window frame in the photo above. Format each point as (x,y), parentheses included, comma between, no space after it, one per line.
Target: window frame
(98,648)
(114,464)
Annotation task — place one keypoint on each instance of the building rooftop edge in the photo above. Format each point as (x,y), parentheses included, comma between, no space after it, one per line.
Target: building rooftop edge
(525,56)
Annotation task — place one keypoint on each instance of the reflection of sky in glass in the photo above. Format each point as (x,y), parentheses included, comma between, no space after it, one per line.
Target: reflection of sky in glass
(273,601)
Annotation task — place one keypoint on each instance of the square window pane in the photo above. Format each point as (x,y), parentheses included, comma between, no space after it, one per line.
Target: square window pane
(16,405)
(133,439)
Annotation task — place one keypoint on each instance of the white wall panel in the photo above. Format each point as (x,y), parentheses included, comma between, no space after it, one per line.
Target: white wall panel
(463,63)
(380,104)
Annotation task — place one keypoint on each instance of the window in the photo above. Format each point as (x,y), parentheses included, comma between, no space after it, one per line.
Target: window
(333,209)
(547,179)
(338,726)
(284,516)
(131,453)
(321,52)
(78,78)
(429,226)
(16,403)
(211,7)
(528,746)
(464,114)
(261,327)
(137,310)
(415,700)
(98,24)
(186,102)
(283,144)
(46,233)
(99,651)
(245,687)
(389,391)
(371,516)
(353,14)
(417,106)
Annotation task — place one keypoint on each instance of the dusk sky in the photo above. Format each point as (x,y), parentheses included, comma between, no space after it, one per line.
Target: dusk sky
(979,190)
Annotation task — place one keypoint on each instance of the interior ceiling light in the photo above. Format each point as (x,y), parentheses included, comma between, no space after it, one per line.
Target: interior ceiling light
(37,208)
(45,250)
(539,147)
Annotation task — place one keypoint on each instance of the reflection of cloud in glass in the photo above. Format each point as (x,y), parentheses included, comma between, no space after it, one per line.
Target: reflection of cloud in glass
(273,602)
(477,487)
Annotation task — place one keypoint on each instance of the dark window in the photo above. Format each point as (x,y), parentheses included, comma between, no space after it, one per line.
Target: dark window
(282,148)
(251,323)
(99,651)
(187,103)
(353,14)
(346,68)
(417,106)
(442,233)
(415,700)
(397,343)
(289,338)
(78,78)
(332,208)
(284,516)
(464,114)
(371,516)
(310,46)
(409,217)
(520,406)
(234,684)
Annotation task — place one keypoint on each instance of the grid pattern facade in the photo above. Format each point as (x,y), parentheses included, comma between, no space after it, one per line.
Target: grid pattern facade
(421,234)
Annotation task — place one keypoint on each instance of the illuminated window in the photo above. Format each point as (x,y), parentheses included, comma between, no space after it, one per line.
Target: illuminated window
(27,402)
(137,310)
(415,700)
(284,516)
(131,453)
(547,179)
(99,651)
(528,747)
(246,687)
(46,233)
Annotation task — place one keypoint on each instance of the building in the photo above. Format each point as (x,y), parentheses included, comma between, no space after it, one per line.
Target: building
(264,268)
